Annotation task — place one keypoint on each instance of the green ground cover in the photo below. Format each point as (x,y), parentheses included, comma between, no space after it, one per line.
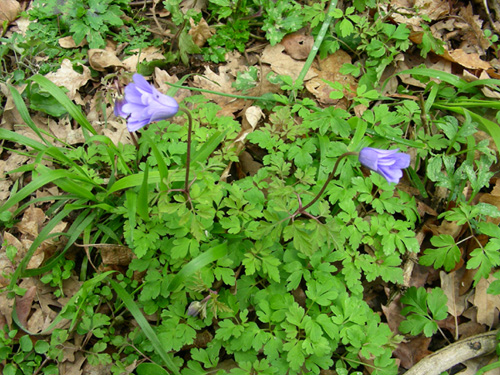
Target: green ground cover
(167,252)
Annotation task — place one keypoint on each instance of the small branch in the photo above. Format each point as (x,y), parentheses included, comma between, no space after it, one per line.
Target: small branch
(301,210)
(456,353)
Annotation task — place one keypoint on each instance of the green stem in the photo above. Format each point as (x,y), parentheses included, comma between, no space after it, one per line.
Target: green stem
(188,152)
(222,93)
(317,43)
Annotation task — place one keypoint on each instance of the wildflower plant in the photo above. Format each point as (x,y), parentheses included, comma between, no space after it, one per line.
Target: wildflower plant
(266,271)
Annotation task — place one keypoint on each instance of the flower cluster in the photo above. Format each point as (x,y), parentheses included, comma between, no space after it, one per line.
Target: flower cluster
(388,163)
(144,104)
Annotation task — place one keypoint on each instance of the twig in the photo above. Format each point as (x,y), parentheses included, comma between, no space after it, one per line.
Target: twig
(302,209)
(456,353)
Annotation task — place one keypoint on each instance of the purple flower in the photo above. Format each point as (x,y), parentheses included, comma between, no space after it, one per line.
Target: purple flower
(144,104)
(388,163)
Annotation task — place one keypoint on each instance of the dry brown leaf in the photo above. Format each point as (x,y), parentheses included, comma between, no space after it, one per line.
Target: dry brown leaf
(6,265)
(329,70)
(161,76)
(24,303)
(298,45)
(198,5)
(44,192)
(409,12)
(9,9)
(32,221)
(222,83)
(10,116)
(412,351)
(201,32)
(68,42)
(70,79)
(73,367)
(251,118)
(393,314)
(470,328)
(473,35)
(12,162)
(450,283)
(488,305)
(115,254)
(434,9)
(248,165)
(65,132)
(467,60)
(146,54)
(117,132)
(283,64)
(100,59)
(407,61)
(6,305)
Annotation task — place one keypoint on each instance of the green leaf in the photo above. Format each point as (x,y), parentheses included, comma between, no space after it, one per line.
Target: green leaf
(437,300)
(322,293)
(446,253)
(25,343)
(295,355)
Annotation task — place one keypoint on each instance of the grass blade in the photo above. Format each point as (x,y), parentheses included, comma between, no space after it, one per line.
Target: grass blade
(61,97)
(23,111)
(142,199)
(197,264)
(484,124)
(145,326)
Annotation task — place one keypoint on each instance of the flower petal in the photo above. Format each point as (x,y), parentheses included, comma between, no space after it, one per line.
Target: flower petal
(388,163)
(144,104)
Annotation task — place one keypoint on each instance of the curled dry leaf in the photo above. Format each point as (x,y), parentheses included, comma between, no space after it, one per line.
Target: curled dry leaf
(198,5)
(201,32)
(329,70)
(24,303)
(298,45)
(450,285)
(70,79)
(467,60)
(252,116)
(488,305)
(161,77)
(405,11)
(68,42)
(115,254)
(146,54)
(9,9)
(10,116)
(221,82)
(283,64)
(100,59)
(32,221)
